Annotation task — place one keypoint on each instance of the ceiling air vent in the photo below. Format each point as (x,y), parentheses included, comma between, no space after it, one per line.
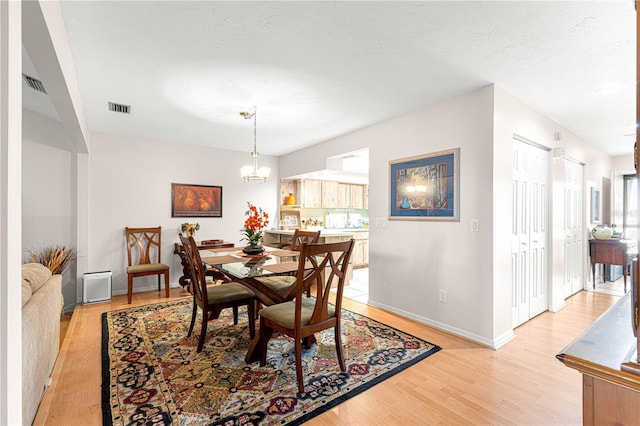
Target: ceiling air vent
(125,109)
(34,83)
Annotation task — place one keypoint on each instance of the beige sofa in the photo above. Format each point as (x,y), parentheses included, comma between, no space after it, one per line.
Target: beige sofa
(41,307)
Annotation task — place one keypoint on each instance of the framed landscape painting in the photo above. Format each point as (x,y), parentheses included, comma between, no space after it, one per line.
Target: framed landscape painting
(196,200)
(426,187)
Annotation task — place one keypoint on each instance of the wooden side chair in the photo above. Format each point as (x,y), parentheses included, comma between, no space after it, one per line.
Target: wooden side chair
(301,237)
(301,317)
(144,253)
(280,283)
(212,298)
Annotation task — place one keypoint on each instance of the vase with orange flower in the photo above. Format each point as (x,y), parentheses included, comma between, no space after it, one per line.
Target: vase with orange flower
(254,224)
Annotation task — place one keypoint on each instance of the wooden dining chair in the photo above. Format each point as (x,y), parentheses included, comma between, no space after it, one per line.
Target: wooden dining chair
(300,237)
(212,298)
(301,317)
(144,254)
(280,283)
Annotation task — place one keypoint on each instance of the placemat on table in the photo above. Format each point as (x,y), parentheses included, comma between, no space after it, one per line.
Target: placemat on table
(280,268)
(219,260)
(284,253)
(219,249)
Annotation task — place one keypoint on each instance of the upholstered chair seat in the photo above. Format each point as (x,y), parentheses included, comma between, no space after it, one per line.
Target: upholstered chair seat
(284,314)
(278,283)
(228,292)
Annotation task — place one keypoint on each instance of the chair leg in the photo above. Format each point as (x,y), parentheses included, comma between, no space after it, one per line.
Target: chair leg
(265,335)
(298,350)
(235,315)
(130,288)
(339,347)
(203,331)
(158,282)
(166,283)
(251,316)
(193,316)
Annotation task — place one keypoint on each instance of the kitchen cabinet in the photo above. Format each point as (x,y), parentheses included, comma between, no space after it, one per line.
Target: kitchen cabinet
(330,195)
(365,197)
(290,187)
(357,197)
(344,195)
(311,193)
(360,255)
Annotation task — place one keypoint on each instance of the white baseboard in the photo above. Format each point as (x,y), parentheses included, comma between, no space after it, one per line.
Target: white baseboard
(493,344)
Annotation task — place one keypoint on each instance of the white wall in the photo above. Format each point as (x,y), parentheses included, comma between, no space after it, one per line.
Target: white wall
(130,185)
(410,261)
(46,205)
(623,163)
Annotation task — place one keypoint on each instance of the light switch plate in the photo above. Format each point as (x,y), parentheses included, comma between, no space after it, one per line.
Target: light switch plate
(381,222)
(474,225)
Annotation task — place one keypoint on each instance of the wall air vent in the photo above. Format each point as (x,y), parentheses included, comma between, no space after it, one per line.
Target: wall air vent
(34,83)
(125,109)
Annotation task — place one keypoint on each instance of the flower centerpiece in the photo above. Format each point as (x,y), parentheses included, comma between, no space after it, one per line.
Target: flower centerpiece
(190,228)
(256,221)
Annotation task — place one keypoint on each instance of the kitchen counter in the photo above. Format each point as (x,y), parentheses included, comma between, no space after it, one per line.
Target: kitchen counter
(323,232)
(359,257)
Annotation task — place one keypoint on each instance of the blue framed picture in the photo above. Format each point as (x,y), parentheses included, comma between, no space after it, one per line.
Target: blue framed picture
(426,187)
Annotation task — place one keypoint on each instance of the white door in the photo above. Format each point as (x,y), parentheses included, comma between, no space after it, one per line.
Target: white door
(573,241)
(529,232)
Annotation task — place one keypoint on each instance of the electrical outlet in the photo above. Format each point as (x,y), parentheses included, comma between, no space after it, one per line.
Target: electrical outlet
(443,296)
(474,225)
(381,222)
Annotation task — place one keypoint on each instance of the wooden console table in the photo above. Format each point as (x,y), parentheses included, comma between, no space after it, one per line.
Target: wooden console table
(612,252)
(185,279)
(610,395)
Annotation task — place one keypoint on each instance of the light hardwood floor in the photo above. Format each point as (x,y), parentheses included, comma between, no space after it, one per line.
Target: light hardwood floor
(465,383)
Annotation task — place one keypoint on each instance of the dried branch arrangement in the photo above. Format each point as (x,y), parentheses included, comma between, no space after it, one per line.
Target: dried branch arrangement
(56,258)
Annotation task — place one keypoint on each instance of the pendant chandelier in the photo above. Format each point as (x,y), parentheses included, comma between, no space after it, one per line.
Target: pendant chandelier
(251,173)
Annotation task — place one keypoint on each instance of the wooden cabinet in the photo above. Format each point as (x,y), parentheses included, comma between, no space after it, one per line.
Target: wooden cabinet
(357,197)
(290,187)
(360,255)
(612,252)
(311,193)
(324,194)
(365,197)
(610,391)
(330,195)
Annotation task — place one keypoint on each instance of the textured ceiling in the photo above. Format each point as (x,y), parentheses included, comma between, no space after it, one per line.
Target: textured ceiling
(316,70)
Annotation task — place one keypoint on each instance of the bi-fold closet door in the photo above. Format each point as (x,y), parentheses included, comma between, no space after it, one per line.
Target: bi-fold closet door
(529,237)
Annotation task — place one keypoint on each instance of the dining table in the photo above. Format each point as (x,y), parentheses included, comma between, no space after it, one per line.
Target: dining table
(245,269)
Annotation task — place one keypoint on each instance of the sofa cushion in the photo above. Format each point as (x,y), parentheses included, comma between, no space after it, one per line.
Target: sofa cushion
(35,274)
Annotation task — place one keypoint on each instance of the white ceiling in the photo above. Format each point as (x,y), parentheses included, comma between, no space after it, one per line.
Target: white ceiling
(316,70)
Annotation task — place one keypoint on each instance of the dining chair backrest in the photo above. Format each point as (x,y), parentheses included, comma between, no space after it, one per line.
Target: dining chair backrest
(144,245)
(196,268)
(322,264)
(300,237)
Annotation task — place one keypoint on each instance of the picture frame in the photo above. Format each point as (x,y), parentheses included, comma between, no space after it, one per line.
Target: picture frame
(289,219)
(426,187)
(196,200)
(595,205)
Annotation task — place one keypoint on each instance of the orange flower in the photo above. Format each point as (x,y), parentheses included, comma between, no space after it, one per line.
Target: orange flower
(255,222)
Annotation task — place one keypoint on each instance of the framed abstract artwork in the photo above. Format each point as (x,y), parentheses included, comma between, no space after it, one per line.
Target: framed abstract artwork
(196,200)
(426,187)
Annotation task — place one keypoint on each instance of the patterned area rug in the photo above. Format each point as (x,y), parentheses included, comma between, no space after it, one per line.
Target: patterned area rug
(152,373)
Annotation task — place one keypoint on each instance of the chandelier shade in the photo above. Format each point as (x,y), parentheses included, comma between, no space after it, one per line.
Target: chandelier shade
(251,172)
